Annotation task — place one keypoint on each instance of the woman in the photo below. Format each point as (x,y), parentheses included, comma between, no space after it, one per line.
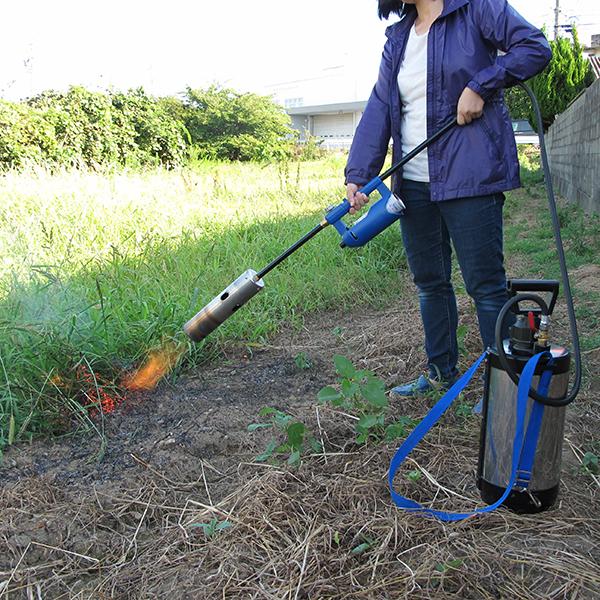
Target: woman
(441,59)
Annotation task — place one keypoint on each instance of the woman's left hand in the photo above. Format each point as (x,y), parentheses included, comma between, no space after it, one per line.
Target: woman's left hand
(470,106)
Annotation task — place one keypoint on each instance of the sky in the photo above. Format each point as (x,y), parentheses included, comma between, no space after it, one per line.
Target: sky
(250,46)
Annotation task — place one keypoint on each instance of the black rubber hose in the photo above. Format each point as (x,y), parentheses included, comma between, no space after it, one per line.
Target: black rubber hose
(564,277)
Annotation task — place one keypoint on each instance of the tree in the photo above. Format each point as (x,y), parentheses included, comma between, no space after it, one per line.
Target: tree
(565,77)
(228,125)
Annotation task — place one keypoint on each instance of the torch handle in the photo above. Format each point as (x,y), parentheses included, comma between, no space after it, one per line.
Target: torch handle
(336,213)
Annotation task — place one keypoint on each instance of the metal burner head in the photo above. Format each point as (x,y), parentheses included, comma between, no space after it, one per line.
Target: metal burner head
(221,307)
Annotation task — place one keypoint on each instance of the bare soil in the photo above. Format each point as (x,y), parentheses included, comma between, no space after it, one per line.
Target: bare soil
(122,517)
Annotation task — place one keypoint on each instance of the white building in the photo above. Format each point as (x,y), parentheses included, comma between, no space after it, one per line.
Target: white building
(328,106)
(334,124)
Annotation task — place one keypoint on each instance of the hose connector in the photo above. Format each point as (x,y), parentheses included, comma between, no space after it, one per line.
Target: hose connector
(543,336)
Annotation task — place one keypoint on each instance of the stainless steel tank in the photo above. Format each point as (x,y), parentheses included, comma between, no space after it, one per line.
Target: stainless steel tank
(498,432)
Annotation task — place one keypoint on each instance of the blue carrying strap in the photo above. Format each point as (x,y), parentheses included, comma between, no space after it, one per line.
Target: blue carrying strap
(523,449)
(534,425)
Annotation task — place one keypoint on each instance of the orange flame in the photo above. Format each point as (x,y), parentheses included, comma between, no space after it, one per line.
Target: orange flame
(159,363)
(95,392)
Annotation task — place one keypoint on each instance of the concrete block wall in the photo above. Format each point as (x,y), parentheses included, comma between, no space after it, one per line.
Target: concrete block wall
(573,143)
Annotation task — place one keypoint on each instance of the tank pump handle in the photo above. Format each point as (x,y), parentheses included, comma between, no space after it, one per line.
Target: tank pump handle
(550,286)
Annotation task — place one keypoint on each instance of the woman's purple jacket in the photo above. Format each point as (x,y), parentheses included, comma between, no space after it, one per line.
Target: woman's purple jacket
(463,44)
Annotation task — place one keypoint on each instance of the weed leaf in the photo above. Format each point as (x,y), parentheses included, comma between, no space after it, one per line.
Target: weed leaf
(413,475)
(315,445)
(361,548)
(255,426)
(373,393)
(294,458)
(302,361)
(343,366)
(590,462)
(368,421)
(395,431)
(295,435)
(328,394)
(282,420)
(268,452)
(349,388)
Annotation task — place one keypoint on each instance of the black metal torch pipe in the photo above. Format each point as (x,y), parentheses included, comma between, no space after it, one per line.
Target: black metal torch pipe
(311,234)
(430,140)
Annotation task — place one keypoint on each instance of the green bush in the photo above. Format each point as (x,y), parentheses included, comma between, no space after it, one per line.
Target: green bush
(566,76)
(94,129)
(227,125)
(150,132)
(26,135)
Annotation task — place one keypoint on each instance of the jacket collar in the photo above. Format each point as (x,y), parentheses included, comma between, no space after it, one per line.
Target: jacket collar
(451,6)
(409,15)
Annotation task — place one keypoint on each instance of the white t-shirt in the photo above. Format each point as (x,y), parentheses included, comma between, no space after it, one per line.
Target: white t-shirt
(412,81)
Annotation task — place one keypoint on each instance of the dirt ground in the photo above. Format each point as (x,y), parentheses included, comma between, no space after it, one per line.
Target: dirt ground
(130,518)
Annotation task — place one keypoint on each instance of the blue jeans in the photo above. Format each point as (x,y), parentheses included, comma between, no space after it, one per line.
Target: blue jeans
(474,226)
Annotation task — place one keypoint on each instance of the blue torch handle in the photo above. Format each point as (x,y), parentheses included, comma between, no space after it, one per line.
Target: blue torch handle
(335,214)
(378,219)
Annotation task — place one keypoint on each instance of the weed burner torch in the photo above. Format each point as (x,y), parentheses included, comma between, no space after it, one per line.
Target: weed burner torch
(381,215)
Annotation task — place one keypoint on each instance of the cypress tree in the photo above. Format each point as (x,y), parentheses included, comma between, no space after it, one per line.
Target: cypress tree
(566,76)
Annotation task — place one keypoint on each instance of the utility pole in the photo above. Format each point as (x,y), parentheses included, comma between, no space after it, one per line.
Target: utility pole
(556,18)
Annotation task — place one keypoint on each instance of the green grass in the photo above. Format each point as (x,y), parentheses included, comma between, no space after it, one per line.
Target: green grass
(99,269)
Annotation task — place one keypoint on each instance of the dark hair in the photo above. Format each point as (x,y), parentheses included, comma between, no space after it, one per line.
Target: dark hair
(389,6)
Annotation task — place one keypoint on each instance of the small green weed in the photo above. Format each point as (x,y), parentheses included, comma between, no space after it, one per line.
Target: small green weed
(362,394)
(590,463)
(302,361)
(463,410)
(337,331)
(367,544)
(295,432)
(461,334)
(414,475)
(450,565)
(213,527)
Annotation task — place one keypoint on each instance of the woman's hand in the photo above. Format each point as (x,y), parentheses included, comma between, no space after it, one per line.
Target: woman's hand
(470,106)
(357,199)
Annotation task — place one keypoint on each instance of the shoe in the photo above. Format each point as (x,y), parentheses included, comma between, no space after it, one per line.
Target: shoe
(422,386)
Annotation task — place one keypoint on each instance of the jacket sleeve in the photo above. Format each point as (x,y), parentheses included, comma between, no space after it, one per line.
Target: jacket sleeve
(526,49)
(371,139)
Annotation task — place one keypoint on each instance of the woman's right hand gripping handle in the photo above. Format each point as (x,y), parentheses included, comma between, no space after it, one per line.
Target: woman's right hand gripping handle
(355,197)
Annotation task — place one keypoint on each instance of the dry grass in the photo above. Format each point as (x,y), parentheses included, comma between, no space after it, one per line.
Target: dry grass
(295,534)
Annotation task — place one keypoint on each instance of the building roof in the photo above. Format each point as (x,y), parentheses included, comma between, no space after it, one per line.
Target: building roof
(340,107)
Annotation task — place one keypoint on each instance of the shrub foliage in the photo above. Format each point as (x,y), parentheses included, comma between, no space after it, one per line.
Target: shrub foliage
(227,125)
(565,77)
(93,129)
